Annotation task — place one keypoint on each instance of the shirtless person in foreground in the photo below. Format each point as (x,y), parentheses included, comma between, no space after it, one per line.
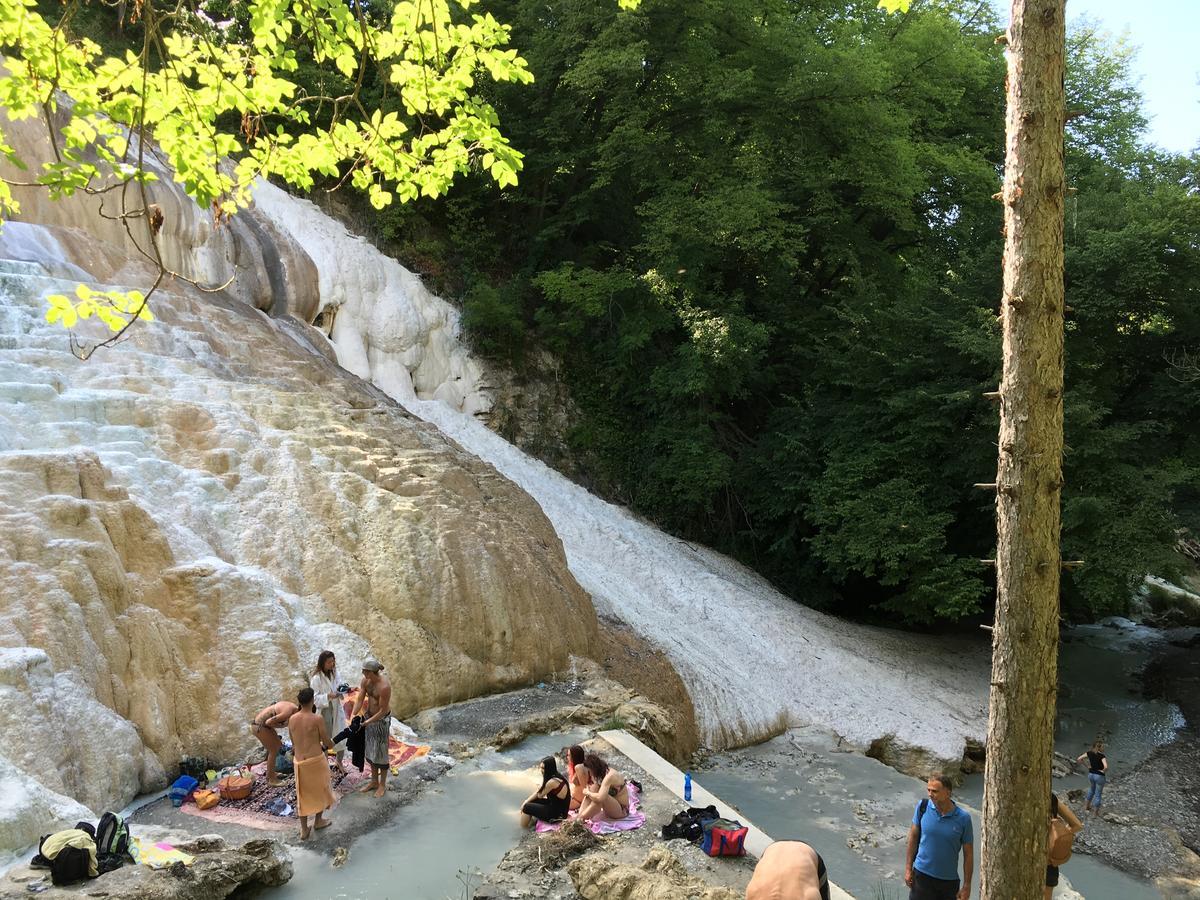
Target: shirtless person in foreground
(789,870)
(264,727)
(375,694)
(310,739)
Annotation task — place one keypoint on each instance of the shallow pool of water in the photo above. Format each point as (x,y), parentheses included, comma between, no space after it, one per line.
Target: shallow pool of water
(1101,695)
(855,811)
(435,847)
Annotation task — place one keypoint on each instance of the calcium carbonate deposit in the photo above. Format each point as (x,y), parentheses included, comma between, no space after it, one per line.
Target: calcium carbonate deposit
(188,517)
(752,659)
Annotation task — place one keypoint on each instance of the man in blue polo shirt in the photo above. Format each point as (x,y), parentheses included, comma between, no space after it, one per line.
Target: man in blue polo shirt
(939,829)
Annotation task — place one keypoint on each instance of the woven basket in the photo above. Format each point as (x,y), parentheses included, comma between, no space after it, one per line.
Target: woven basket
(236,787)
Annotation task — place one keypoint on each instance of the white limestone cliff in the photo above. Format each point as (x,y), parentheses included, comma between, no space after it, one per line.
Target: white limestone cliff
(190,516)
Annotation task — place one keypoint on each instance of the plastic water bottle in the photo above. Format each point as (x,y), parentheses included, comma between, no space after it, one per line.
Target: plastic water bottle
(687,786)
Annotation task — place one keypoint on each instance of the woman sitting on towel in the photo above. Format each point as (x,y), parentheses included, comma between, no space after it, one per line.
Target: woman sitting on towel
(609,793)
(577,775)
(550,802)
(324,683)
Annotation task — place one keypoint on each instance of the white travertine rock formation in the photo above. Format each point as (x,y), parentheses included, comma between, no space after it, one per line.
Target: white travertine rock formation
(269,268)
(387,327)
(753,660)
(190,516)
(187,518)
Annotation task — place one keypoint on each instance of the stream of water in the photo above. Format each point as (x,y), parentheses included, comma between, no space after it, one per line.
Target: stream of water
(856,810)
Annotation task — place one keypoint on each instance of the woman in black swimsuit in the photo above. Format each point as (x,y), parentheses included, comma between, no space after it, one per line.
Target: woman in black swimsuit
(609,793)
(550,802)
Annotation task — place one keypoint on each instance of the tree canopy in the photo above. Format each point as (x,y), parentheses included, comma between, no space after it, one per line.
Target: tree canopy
(759,236)
(762,239)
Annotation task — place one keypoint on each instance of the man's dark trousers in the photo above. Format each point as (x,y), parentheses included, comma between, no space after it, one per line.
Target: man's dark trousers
(928,888)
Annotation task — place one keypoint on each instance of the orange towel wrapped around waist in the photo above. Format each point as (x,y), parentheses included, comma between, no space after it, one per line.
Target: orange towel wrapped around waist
(313,793)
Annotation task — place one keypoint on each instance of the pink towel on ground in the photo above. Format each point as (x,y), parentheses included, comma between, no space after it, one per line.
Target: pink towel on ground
(602,824)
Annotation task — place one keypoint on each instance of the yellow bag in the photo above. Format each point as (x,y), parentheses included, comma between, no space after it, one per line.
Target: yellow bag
(206,799)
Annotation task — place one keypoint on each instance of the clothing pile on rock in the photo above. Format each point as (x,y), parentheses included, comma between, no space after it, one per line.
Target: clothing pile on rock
(85,851)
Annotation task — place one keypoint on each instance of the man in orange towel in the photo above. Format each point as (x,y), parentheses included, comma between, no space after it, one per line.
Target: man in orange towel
(309,742)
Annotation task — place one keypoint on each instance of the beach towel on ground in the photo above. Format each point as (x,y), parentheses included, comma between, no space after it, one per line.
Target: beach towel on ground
(602,824)
(158,855)
(313,791)
(254,811)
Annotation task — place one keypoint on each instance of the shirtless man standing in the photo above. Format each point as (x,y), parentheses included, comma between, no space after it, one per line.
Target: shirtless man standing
(375,695)
(264,728)
(789,870)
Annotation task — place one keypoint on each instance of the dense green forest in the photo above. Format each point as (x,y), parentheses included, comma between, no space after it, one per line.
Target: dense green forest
(760,238)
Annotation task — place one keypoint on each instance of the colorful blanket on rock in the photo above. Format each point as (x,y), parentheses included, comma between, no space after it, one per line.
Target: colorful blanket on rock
(157,855)
(255,810)
(602,824)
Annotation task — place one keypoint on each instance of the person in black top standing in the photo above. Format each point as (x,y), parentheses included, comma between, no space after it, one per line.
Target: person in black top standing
(1097,775)
(550,802)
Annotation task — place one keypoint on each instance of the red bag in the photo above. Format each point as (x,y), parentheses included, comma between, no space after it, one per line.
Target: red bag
(724,837)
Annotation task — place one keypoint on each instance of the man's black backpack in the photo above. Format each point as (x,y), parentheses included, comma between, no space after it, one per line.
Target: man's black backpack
(72,864)
(921,818)
(689,824)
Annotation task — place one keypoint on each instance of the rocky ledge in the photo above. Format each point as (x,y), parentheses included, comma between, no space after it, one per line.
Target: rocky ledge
(217,872)
(574,863)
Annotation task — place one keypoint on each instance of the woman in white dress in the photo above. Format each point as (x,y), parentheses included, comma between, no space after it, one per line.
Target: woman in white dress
(329,702)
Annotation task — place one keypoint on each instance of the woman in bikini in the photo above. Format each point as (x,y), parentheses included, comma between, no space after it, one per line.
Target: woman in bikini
(610,794)
(550,802)
(577,775)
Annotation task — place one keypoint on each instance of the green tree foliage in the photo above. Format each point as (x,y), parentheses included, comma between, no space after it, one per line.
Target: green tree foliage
(761,237)
(225,105)
(190,73)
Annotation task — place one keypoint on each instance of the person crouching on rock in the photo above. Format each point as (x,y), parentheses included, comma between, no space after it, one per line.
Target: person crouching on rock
(789,870)
(310,739)
(550,802)
(609,793)
(265,727)
(375,699)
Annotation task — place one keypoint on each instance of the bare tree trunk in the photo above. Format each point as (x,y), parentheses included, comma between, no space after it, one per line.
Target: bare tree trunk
(1029,475)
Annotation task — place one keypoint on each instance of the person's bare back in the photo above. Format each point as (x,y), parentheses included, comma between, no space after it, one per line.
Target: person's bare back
(788,870)
(309,735)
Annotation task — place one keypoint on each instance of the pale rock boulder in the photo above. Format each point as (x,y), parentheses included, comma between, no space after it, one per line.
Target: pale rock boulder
(661,876)
(268,270)
(28,809)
